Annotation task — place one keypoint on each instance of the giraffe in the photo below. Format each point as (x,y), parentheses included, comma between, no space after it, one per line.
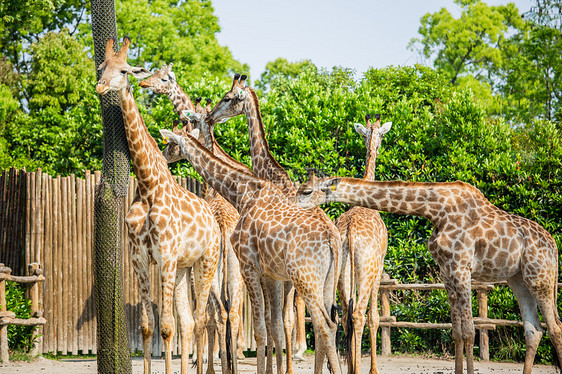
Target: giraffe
(164,82)
(471,240)
(243,100)
(227,217)
(364,241)
(166,224)
(275,241)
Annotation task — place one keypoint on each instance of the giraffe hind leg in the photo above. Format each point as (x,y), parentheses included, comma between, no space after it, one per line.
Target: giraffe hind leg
(530,316)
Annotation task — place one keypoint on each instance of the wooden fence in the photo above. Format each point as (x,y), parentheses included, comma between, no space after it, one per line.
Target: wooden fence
(49,221)
(7,317)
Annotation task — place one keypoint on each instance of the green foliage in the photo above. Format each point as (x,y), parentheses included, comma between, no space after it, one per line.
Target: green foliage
(470,43)
(59,70)
(281,68)
(176,31)
(20,338)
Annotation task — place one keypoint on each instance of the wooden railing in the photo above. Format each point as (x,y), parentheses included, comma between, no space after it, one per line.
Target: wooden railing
(481,322)
(9,318)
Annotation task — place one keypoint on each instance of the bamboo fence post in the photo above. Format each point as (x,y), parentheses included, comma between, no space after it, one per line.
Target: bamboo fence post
(36,306)
(57,268)
(4,355)
(88,211)
(10,212)
(73,263)
(386,348)
(484,336)
(34,255)
(3,215)
(48,301)
(28,246)
(80,295)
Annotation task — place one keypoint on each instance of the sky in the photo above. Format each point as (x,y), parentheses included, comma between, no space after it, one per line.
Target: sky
(356,34)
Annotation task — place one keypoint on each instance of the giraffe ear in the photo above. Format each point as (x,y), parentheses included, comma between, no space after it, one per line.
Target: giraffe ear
(362,130)
(139,72)
(385,128)
(170,137)
(330,184)
(195,133)
(172,75)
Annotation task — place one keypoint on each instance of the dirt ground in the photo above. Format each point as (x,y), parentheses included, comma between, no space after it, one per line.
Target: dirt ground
(391,365)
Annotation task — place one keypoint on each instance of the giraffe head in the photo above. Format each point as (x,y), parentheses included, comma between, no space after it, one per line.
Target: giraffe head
(115,69)
(317,191)
(162,81)
(373,134)
(194,121)
(232,103)
(172,151)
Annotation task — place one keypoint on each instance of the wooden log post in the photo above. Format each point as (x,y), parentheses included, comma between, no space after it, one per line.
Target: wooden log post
(483,313)
(4,355)
(34,269)
(385,315)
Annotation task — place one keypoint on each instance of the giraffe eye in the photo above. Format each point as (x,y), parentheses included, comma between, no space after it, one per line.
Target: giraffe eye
(164,80)
(307,192)
(123,72)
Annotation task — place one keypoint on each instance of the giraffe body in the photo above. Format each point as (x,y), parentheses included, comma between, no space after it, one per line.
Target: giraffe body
(275,241)
(166,224)
(471,240)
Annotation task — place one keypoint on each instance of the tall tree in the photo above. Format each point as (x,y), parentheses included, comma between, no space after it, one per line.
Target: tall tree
(469,44)
(533,70)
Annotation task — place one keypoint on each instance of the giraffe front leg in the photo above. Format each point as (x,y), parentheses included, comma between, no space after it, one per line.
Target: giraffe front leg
(300,344)
(257,297)
(204,272)
(168,266)
(289,322)
(142,271)
(185,317)
(458,290)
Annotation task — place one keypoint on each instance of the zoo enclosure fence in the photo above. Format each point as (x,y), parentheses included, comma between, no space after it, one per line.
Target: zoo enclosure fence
(49,221)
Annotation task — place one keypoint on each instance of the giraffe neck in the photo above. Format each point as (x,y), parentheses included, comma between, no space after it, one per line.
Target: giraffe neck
(429,200)
(148,162)
(213,146)
(264,164)
(240,188)
(180,100)
(370,165)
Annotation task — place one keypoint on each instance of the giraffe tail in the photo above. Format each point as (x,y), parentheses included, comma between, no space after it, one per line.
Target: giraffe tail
(349,239)
(225,298)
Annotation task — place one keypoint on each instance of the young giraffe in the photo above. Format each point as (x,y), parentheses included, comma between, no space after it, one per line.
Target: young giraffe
(164,82)
(471,239)
(364,241)
(276,241)
(243,100)
(166,223)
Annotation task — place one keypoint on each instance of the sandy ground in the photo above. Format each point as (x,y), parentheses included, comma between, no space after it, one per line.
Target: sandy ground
(391,364)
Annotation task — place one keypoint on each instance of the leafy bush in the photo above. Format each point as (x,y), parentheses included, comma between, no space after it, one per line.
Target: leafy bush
(20,338)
